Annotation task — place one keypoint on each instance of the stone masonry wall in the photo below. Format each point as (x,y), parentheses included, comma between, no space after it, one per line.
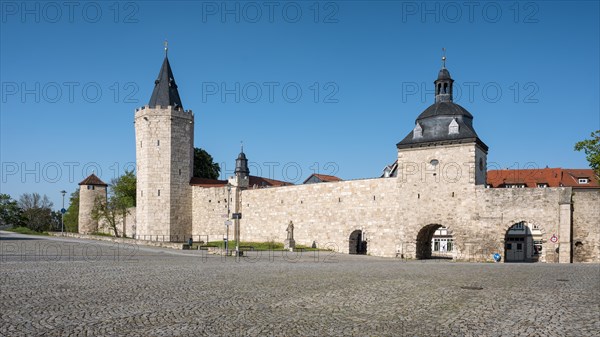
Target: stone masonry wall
(87,199)
(209,212)
(164,139)
(586,225)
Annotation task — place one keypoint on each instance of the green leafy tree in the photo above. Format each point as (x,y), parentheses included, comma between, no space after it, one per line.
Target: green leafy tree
(10,212)
(591,148)
(122,193)
(37,211)
(204,167)
(124,189)
(72,215)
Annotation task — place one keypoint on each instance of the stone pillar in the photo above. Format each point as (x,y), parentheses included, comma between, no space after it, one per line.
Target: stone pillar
(564,225)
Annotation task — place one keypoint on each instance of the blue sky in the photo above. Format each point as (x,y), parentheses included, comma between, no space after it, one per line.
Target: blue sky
(323,86)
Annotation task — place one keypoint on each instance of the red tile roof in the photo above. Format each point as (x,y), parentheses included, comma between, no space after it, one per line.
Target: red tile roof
(92,179)
(323,177)
(205,182)
(258,182)
(554,177)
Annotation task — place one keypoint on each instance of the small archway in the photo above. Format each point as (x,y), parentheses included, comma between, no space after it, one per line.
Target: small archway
(523,243)
(434,241)
(357,243)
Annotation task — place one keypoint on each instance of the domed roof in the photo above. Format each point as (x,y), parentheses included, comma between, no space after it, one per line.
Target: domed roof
(444,109)
(444,74)
(242,155)
(443,122)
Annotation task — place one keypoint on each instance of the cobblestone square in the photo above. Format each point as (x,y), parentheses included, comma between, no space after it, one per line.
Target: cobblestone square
(70,287)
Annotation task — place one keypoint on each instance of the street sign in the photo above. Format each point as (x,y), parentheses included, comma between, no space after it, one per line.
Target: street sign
(228,222)
(554,238)
(236,216)
(497,257)
(63,211)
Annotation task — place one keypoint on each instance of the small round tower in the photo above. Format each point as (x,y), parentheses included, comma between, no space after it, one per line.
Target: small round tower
(90,190)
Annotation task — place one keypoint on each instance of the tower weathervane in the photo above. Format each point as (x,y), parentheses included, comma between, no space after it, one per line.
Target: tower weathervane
(166,47)
(443,57)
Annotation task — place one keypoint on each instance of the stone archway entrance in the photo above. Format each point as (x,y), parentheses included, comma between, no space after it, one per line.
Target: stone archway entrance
(357,243)
(434,241)
(523,243)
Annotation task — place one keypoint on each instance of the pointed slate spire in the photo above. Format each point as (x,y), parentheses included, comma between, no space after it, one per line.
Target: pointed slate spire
(165,89)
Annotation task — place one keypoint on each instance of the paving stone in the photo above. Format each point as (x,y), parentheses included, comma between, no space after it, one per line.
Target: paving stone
(72,287)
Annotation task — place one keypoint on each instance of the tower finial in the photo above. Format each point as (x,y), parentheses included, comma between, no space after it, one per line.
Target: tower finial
(443,57)
(166,47)
(242,145)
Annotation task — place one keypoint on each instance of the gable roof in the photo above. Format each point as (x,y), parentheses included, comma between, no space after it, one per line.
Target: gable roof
(323,178)
(553,177)
(258,182)
(92,179)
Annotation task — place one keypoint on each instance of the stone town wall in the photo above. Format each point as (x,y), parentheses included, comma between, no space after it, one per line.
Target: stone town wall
(500,208)
(394,212)
(390,214)
(326,213)
(129,225)
(209,212)
(586,225)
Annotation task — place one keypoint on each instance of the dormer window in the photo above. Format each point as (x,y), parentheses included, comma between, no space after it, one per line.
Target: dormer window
(453,127)
(583,180)
(542,185)
(417,131)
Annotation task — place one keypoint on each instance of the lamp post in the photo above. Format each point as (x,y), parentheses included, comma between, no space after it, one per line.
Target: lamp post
(62,213)
(227,222)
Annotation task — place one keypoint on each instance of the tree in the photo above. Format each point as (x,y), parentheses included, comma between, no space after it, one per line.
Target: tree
(124,189)
(122,193)
(591,148)
(204,167)
(72,215)
(37,211)
(10,212)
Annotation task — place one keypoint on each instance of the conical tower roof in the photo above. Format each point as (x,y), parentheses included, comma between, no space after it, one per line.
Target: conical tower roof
(165,89)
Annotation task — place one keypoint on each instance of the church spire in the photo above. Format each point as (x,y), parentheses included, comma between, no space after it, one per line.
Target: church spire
(443,84)
(165,89)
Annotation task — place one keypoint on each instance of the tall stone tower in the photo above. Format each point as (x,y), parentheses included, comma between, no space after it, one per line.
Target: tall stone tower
(443,148)
(164,134)
(91,189)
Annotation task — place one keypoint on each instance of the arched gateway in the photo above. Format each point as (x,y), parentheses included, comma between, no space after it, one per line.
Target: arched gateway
(357,243)
(427,245)
(523,243)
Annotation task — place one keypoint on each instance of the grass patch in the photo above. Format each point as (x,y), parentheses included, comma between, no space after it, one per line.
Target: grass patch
(246,245)
(25,230)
